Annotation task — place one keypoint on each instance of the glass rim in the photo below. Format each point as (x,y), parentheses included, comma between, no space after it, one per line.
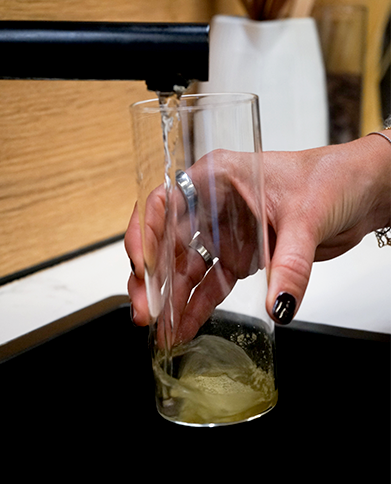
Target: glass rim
(233,98)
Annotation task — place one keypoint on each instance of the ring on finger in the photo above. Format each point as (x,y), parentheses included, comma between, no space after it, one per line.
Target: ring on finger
(202,250)
(187,188)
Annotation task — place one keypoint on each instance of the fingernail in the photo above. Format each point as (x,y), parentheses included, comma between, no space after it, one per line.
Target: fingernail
(133,314)
(133,267)
(284,308)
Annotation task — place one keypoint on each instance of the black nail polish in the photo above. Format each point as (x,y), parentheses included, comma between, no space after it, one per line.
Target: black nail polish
(133,267)
(132,313)
(284,308)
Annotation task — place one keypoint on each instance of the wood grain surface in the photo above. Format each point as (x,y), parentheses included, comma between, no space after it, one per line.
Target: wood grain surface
(67,168)
(66,159)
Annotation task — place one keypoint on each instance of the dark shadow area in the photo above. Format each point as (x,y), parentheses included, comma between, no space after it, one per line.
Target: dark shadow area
(91,388)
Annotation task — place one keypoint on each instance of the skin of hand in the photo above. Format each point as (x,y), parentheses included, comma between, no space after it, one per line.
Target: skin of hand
(320,203)
(232,201)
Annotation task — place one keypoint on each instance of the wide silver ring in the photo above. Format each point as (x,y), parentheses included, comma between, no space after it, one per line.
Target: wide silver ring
(188,189)
(202,250)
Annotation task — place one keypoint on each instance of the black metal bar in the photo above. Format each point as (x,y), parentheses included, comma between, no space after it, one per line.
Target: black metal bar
(162,54)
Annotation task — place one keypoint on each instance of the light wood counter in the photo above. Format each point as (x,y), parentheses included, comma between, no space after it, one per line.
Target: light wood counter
(66,165)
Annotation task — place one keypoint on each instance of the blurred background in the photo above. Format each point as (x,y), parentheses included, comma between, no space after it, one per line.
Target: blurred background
(67,179)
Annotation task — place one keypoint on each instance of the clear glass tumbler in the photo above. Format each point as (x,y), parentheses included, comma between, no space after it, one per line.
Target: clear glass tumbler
(204,233)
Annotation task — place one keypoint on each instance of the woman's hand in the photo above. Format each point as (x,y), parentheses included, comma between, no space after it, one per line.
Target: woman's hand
(228,208)
(320,203)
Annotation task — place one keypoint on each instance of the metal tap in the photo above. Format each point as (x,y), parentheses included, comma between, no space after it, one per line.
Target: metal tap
(164,55)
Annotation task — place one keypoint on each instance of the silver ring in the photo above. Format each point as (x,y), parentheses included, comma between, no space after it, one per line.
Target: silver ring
(202,250)
(188,189)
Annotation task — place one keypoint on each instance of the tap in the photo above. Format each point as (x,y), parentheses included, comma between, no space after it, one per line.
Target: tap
(165,55)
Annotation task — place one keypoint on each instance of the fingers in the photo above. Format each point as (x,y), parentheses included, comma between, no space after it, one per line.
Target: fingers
(149,219)
(139,303)
(190,272)
(151,215)
(146,241)
(136,285)
(212,290)
(289,272)
(133,244)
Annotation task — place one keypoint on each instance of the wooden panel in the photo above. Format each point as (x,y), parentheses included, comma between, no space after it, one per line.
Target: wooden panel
(107,10)
(66,165)
(66,161)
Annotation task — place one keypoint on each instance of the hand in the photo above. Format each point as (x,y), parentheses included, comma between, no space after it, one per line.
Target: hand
(320,203)
(229,204)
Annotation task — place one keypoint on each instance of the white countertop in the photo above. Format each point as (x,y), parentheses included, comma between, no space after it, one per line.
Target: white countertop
(45,296)
(352,291)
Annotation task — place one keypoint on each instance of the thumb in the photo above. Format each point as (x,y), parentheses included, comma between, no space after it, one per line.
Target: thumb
(290,271)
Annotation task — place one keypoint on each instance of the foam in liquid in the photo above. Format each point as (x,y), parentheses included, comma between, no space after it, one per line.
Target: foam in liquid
(218,380)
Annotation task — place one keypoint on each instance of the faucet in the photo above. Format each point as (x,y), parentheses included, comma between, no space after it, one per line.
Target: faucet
(165,55)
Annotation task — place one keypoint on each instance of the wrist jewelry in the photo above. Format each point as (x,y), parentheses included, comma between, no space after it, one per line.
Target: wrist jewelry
(387,123)
(383,236)
(381,134)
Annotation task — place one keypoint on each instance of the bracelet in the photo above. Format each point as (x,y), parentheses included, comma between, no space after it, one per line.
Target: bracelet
(387,122)
(383,236)
(381,134)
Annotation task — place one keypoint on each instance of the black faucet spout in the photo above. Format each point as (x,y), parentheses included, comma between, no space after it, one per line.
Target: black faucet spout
(164,55)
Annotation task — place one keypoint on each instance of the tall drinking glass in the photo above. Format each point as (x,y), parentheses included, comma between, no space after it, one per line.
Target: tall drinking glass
(202,218)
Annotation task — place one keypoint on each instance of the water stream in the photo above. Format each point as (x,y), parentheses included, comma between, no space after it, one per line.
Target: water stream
(169,104)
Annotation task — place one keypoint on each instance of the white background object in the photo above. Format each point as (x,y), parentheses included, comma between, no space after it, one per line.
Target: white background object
(281,62)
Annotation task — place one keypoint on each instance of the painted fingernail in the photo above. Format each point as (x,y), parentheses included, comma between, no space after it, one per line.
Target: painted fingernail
(133,314)
(284,308)
(133,267)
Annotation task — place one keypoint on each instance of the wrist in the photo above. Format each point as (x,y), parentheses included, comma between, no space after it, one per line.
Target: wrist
(379,158)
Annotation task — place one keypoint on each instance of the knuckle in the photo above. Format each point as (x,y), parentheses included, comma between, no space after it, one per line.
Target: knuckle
(295,267)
